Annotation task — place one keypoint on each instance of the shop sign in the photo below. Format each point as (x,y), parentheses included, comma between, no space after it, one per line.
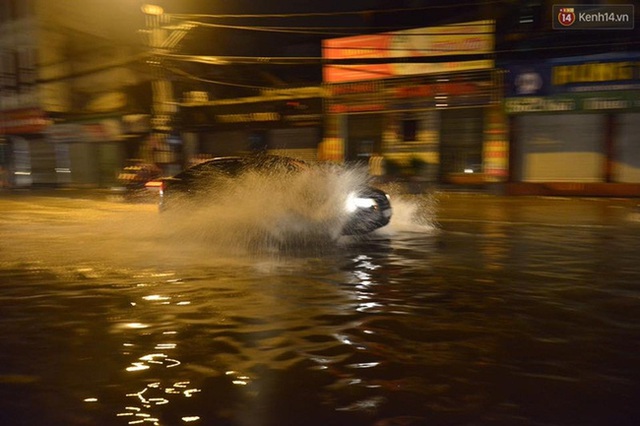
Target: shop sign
(258,117)
(353,108)
(585,102)
(468,38)
(354,88)
(30,120)
(298,112)
(430,90)
(98,131)
(593,73)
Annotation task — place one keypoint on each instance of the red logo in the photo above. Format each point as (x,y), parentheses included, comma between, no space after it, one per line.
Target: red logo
(566,16)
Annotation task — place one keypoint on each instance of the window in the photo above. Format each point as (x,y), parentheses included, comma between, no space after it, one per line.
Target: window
(409,130)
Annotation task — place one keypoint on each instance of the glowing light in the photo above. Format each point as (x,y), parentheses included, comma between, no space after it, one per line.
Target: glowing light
(156,297)
(136,325)
(190,419)
(91,400)
(354,203)
(468,170)
(138,366)
(152,9)
(161,346)
(189,392)
(364,365)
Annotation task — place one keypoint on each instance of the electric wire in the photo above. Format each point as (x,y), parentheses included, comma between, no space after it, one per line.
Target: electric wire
(331,14)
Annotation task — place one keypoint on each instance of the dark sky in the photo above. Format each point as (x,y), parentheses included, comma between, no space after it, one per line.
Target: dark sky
(369,20)
(345,17)
(373,16)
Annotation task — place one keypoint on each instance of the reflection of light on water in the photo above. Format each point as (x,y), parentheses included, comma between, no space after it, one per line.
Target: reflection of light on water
(239,379)
(161,346)
(158,359)
(136,325)
(147,401)
(137,366)
(363,365)
(156,298)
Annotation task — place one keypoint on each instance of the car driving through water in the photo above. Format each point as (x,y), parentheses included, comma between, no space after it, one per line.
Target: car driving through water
(323,198)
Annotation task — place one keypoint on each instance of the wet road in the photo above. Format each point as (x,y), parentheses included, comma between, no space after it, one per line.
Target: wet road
(468,310)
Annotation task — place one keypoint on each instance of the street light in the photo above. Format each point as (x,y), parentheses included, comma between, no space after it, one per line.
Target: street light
(152,9)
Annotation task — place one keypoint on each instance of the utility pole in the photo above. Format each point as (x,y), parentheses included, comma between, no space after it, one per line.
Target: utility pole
(162,38)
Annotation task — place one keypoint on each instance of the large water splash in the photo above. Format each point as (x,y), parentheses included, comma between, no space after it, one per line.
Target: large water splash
(258,211)
(277,213)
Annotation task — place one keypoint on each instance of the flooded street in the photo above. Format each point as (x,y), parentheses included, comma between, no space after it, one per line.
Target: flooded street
(466,310)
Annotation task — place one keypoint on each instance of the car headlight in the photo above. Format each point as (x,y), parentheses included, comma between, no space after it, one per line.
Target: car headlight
(354,202)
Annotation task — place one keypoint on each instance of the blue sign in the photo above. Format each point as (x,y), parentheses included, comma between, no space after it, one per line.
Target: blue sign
(578,74)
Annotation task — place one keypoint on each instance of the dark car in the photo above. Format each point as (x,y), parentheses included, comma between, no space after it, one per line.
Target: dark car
(362,208)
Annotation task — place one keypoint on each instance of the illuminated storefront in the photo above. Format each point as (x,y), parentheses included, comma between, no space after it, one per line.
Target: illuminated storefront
(575,123)
(435,119)
(288,122)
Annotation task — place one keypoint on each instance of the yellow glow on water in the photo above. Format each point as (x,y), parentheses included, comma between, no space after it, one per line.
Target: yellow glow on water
(138,366)
(136,325)
(189,392)
(156,297)
(161,346)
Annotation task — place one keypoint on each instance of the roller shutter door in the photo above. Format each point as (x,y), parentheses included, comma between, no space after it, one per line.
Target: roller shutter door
(561,148)
(626,166)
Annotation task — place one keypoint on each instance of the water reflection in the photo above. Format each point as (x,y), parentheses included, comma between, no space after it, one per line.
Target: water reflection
(463,325)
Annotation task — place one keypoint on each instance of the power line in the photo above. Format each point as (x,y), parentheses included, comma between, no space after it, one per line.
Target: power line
(328,31)
(330,14)
(217,82)
(311,60)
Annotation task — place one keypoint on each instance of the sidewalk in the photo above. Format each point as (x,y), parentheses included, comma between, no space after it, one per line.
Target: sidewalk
(569,211)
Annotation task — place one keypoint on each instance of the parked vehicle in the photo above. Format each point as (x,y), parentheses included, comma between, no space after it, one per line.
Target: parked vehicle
(133,177)
(364,209)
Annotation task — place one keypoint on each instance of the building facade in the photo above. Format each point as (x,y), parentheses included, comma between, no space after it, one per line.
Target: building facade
(68,114)
(279,121)
(575,125)
(428,104)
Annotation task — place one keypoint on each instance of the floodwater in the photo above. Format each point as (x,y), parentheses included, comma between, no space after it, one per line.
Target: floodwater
(467,310)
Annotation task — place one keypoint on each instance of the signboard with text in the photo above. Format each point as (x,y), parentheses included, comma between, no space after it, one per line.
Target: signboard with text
(470,38)
(573,75)
(584,102)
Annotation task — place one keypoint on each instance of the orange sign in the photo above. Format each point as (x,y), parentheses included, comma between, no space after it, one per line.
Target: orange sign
(456,39)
